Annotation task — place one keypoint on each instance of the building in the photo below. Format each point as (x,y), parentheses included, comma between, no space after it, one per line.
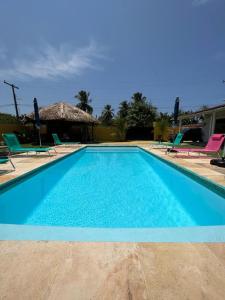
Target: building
(213,120)
(67,120)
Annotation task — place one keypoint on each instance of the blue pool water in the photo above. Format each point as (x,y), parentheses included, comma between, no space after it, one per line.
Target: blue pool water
(111,187)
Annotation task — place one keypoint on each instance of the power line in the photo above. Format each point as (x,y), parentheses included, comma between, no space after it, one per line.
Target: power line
(101,107)
(14,96)
(5,105)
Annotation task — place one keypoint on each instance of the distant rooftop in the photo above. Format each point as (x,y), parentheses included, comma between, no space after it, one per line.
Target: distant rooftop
(203,111)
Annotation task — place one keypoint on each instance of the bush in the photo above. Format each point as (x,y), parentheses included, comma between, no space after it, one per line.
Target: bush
(161,129)
(8,119)
(121,126)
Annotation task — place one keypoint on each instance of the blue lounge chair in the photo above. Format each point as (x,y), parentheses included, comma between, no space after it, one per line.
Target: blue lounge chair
(58,142)
(14,146)
(175,143)
(5,159)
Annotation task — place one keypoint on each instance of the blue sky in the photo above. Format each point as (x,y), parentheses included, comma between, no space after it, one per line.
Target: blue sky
(52,49)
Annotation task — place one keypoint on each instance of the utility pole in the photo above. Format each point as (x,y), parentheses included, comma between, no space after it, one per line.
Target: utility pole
(14,96)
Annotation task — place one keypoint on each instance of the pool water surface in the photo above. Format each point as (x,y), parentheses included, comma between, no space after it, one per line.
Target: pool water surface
(111,187)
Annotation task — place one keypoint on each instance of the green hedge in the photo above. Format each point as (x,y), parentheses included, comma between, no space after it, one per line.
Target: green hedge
(8,119)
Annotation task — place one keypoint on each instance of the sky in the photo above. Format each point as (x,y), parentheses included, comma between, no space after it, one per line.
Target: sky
(51,49)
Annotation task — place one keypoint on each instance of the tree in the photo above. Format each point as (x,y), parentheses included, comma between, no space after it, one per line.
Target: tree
(83,97)
(141,113)
(161,129)
(121,126)
(188,121)
(138,98)
(203,107)
(107,115)
(8,118)
(123,109)
(165,116)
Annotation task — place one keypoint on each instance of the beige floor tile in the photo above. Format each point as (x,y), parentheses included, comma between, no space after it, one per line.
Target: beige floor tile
(183,271)
(66,270)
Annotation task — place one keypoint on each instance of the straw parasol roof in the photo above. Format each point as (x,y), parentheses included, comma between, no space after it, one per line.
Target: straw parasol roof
(64,112)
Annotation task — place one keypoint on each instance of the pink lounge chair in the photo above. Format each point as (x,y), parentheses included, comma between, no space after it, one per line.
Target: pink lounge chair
(213,146)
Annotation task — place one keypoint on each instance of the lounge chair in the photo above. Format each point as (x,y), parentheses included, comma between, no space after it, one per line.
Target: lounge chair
(213,146)
(58,142)
(5,159)
(14,146)
(176,142)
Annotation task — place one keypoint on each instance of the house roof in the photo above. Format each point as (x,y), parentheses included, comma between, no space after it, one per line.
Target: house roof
(64,112)
(203,112)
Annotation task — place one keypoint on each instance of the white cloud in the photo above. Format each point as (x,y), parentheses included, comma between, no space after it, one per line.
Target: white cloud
(200,2)
(51,62)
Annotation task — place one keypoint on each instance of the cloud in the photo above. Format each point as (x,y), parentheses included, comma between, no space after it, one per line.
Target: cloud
(52,62)
(200,2)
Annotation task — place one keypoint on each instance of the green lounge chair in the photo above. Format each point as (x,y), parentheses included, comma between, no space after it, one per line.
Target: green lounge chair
(5,159)
(58,142)
(175,143)
(14,146)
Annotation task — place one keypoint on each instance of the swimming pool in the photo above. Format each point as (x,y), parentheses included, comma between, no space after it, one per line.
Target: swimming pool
(111,188)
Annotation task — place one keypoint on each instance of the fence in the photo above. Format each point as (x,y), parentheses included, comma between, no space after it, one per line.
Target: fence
(8,128)
(105,134)
(100,133)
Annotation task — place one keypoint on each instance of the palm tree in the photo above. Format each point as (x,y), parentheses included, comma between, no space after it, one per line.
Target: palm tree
(83,97)
(107,115)
(123,109)
(141,113)
(138,98)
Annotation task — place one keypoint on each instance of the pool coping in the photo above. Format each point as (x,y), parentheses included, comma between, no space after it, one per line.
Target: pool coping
(215,234)
(209,184)
(195,234)
(11,182)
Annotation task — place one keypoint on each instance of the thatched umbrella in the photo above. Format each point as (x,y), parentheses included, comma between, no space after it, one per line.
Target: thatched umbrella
(65,112)
(59,114)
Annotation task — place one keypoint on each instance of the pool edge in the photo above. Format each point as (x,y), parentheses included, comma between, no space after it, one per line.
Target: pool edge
(198,234)
(214,234)
(208,183)
(6,185)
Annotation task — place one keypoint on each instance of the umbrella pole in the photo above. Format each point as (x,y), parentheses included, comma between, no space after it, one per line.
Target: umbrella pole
(39,134)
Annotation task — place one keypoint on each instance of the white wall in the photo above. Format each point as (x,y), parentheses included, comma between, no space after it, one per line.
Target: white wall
(206,128)
(208,120)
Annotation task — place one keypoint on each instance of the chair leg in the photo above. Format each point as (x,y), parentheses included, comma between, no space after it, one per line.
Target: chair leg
(12,164)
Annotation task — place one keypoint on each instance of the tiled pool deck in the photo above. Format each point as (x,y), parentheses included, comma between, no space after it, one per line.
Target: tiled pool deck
(72,270)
